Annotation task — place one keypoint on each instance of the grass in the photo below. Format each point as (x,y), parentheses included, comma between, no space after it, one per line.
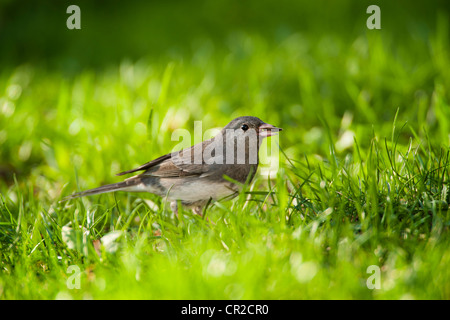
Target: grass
(363,177)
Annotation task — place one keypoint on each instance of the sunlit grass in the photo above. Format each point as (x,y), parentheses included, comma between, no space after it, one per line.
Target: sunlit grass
(363,177)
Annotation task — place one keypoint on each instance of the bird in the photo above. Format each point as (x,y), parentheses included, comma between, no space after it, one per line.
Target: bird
(214,169)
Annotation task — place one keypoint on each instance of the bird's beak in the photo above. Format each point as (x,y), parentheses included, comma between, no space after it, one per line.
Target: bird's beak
(267,130)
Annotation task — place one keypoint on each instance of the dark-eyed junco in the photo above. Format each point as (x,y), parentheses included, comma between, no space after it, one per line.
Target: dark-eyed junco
(197,174)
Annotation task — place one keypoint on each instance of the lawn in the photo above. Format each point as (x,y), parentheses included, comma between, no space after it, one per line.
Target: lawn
(357,208)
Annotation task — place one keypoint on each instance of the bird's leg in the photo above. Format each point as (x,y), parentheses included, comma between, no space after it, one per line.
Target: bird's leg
(174,207)
(198,210)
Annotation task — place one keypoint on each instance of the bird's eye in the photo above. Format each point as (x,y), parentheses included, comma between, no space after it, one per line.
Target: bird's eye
(244,127)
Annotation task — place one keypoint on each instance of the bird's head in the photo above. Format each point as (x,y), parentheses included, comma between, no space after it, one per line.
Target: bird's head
(239,141)
(247,126)
(242,137)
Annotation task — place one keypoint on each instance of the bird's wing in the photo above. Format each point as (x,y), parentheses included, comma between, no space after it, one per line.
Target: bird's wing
(187,162)
(147,165)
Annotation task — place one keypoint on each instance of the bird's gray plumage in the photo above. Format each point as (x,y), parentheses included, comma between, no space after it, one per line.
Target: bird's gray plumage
(182,176)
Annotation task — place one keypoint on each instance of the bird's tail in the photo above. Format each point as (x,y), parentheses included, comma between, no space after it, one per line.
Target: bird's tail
(127,185)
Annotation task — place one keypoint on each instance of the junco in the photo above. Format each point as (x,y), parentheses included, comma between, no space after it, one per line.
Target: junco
(197,174)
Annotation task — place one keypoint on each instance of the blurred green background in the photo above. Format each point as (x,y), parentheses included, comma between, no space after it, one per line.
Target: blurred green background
(288,62)
(78,106)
